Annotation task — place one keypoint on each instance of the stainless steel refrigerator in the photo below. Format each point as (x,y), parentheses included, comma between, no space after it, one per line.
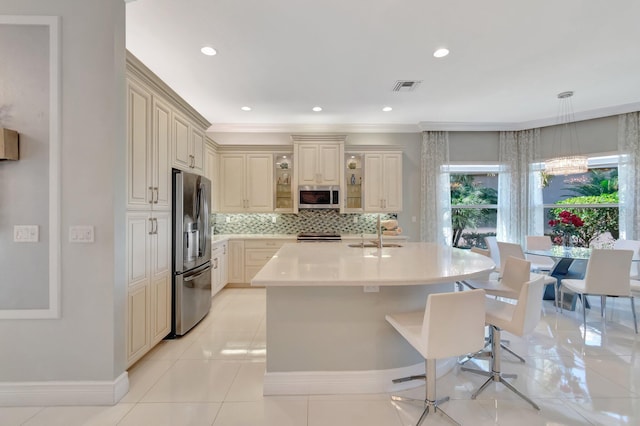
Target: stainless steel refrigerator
(191,250)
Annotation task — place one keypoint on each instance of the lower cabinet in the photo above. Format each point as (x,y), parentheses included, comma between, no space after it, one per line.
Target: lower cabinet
(247,257)
(149,281)
(236,262)
(219,267)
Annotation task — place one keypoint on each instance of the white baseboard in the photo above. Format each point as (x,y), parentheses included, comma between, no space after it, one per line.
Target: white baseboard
(347,382)
(46,394)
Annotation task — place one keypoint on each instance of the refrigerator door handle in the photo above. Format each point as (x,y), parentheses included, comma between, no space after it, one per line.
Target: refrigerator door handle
(199,272)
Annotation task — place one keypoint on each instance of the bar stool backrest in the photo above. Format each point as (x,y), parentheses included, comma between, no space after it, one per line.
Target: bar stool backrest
(453,324)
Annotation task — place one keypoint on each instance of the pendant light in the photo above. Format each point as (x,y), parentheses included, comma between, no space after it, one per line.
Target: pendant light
(565,142)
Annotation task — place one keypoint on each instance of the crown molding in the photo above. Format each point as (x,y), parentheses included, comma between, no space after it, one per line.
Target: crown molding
(311,128)
(416,128)
(136,68)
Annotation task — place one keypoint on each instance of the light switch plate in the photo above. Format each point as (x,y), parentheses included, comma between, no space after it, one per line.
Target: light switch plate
(25,233)
(81,234)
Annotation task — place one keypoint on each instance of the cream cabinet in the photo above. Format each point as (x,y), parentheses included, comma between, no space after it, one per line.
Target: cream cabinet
(219,267)
(149,133)
(149,281)
(246,182)
(383,181)
(235,262)
(248,256)
(188,145)
(211,172)
(318,163)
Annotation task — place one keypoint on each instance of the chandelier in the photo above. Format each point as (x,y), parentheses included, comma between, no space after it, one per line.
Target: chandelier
(565,142)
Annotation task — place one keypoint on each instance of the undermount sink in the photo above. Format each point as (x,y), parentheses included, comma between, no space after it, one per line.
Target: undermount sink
(371,245)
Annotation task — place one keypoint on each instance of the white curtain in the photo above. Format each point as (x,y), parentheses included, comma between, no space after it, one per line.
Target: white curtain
(520,209)
(435,200)
(628,175)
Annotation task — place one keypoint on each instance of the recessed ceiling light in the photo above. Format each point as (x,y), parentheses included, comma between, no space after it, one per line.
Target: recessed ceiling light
(387,109)
(208,50)
(317,108)
(246,108)
(441,53)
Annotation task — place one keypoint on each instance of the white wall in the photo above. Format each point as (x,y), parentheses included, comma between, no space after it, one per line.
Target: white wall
(87,342)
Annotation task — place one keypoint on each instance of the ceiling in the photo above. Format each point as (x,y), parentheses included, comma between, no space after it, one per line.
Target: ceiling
(508,61)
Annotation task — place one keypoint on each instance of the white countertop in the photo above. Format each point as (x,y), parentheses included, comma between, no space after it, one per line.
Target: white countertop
(337,264)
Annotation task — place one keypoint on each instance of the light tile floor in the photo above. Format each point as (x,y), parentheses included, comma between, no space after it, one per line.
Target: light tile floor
(213,376)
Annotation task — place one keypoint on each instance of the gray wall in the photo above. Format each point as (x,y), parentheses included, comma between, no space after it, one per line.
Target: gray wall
(24,189)
(598,136)
(87,342)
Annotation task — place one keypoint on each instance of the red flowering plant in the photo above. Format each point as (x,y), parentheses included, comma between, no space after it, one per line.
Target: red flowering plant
(566,228)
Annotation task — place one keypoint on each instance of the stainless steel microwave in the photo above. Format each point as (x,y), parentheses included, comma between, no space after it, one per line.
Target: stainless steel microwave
(318,197)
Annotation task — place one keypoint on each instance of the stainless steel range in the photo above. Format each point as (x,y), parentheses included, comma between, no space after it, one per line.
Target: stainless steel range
(318,237)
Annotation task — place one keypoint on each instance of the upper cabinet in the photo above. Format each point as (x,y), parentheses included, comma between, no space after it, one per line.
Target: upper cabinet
(211,173)
(246,183)
(148,169)
(188,145)
(318,163)
(353,175)
(383,181)
(283,182)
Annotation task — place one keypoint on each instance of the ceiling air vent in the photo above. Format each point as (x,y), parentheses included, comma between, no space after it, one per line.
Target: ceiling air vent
(406,85)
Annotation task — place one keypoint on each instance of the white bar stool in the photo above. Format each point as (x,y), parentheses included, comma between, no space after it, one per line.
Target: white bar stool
(437,332)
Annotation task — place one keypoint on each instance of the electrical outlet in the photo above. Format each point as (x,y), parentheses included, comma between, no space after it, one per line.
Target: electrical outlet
(227,219)
(25,233)
(273,219)
(355,219)
(81,234)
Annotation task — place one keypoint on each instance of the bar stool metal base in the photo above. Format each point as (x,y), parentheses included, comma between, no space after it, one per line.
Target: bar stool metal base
(429,402)
(495,375)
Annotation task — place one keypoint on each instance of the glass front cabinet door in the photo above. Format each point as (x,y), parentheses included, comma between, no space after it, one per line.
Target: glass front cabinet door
(353,175)
(284,180)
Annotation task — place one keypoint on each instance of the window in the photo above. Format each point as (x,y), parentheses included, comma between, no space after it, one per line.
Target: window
(474,203)
(592,197)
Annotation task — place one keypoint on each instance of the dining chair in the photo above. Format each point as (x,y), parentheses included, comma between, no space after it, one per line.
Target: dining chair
(633,245)
(492,245)
(515,250)
(519,319)
(607,275)
(539,242)
(435,334)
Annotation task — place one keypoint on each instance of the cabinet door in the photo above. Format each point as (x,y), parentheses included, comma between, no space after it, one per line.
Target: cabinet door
(138,340)
(161,244)
(181,141)
(224,265)
(236,262)
(329,164)
(232,198)
(392,179)
(138,251)
(161,173)
(139,159)
(373,182)
(160,307)
(197,150)
(259,182)
(211,172)
(307,165)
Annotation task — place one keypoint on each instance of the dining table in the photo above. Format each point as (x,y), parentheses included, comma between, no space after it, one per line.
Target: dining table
(570,263)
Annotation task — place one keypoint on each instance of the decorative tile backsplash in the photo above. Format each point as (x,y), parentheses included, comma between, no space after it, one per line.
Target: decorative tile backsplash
(305,221)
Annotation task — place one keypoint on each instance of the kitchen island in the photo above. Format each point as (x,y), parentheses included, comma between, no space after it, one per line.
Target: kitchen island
(326,303)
